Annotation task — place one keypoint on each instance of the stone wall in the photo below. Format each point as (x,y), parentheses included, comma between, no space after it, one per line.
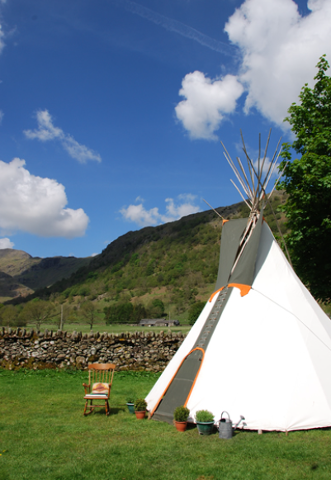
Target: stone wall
(129,351)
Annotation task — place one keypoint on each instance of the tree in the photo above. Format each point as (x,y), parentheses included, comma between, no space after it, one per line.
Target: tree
(194,312)
(139,312)
(89,310)
(9,316)
(155,308)
(308,182)
(37,311)
(68,314)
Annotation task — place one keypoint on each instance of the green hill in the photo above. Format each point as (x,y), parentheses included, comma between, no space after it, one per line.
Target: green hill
(175,263)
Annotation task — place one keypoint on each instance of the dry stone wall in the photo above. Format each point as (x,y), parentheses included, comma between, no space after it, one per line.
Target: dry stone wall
(129,351)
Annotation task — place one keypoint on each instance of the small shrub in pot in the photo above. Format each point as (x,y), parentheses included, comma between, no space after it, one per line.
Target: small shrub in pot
(130,403)
(204,416)
(130,399)
(181,414)
(140,405)
(204,421)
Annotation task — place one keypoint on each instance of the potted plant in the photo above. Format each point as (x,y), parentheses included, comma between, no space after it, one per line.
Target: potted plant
(130,403)
(205,422)
(140,406)
(180,418)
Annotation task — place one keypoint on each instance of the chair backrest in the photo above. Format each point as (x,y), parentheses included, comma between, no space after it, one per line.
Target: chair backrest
(101,373)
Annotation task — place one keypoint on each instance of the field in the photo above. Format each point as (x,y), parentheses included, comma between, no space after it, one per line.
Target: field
(44,435)
(114,328)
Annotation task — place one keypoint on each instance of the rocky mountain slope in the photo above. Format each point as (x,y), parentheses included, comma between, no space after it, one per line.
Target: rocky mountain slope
(21,274)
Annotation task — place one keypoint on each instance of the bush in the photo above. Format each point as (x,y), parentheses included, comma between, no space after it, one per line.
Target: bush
(204,416)
(181,414)
(130,398)
(140,405)
(194,311)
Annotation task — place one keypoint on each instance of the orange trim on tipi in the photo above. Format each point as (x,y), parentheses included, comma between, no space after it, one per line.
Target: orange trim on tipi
(244,289)
(213,294)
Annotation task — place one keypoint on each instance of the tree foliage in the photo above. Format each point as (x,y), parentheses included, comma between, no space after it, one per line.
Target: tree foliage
(194,311)
(88,311)
(124,312)
(37,312)
(308,182)
(9,316)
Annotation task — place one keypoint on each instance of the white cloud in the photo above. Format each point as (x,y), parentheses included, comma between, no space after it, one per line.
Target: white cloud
(47,131)
(206,103)
(36,205)
(280,50)
(5,243)
(174,210)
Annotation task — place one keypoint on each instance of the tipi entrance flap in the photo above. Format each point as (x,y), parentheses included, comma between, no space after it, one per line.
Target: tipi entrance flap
(162,383)
(180,387)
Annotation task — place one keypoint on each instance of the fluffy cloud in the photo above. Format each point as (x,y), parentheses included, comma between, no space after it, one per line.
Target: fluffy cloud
(47,131)
(5,243)
(142,217)
(36,205)
(279,49)
(206,103)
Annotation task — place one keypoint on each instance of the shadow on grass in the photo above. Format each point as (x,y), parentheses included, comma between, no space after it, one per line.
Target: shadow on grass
(102,411)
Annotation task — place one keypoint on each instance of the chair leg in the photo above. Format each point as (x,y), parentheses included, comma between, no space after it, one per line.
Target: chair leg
(91,407)
(107,408)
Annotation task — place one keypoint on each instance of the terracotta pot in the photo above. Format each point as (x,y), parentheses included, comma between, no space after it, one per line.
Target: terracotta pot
(140,415)
(181,426)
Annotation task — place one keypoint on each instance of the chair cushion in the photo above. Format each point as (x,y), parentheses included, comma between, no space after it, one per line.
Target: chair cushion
(100,388)
(96,396)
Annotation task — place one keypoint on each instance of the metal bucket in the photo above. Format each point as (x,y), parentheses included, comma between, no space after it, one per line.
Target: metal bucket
(225,427)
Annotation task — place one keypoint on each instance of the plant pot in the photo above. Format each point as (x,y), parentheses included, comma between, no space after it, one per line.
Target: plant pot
(140,415)
(205,428)
(130,407)
(181,426)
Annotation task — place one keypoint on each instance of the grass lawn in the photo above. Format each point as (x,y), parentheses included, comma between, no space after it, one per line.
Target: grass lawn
(114,328)
(44,435)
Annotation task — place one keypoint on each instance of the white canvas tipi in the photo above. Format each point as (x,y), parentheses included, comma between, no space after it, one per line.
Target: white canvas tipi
(261,347)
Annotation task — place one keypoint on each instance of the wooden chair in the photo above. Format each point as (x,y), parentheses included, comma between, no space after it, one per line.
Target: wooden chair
(99,386)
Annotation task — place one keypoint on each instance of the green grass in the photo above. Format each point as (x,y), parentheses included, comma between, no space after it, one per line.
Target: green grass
(44,435)
(102,327)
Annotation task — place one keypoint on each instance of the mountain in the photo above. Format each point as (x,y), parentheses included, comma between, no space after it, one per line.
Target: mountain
(21,274)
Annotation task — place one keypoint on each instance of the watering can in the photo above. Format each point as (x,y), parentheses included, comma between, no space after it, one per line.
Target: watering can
(225,428)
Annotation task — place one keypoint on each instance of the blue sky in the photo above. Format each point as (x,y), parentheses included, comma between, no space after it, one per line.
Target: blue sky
(112,111)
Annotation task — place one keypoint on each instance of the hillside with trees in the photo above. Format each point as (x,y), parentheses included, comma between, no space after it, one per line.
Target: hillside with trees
(168,270)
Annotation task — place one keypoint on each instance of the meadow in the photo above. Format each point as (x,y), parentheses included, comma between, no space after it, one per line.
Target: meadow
(112,328)
(44,435)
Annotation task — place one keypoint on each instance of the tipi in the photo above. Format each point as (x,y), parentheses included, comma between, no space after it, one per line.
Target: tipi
(261,347)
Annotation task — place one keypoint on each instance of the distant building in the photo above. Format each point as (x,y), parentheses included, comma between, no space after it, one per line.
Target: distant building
(158,322)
